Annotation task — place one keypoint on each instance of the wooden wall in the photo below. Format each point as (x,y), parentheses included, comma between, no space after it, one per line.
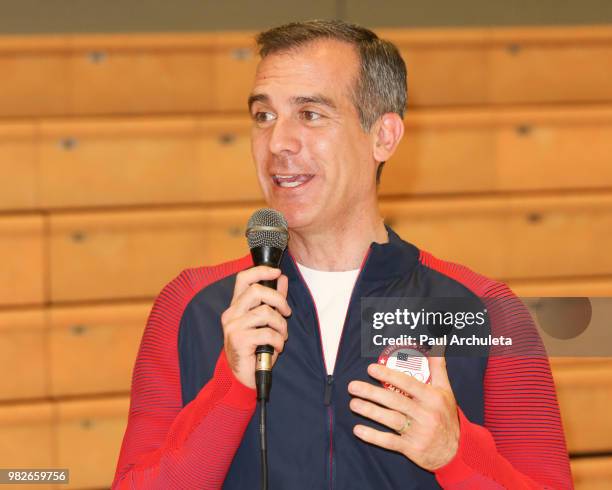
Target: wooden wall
(125,159)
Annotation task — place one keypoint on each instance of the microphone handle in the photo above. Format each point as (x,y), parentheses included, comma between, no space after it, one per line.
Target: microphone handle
(269,283)
(271,257)
(268,349)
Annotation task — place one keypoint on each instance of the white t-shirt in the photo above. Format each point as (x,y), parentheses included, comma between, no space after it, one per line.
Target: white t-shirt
(331,292)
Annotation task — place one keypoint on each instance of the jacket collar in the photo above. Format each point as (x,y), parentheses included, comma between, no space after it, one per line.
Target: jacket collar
(395,258)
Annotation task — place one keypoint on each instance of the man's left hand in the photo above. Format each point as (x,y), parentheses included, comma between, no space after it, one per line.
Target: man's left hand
(426,420)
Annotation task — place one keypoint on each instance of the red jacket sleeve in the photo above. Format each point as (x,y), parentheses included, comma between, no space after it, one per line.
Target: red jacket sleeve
(522,445)
(168,446)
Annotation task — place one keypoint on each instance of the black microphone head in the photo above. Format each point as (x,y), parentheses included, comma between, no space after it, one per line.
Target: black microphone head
(267,228)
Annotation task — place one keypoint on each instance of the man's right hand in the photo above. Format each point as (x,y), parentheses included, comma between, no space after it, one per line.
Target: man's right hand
(252,306)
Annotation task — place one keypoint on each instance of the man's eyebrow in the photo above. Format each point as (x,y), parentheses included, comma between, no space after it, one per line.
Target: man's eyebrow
(314,99)
(257,98)
(298,100)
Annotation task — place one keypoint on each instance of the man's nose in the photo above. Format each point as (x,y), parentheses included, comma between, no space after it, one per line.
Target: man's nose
(285,137)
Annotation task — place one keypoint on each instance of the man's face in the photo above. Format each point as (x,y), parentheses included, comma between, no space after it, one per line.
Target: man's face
(314,161)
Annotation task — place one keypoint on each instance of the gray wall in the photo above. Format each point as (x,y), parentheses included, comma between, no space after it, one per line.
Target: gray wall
(58,16)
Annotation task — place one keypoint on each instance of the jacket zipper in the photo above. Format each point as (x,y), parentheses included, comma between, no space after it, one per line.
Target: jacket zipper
(329,386)
(329,380)
(328,390)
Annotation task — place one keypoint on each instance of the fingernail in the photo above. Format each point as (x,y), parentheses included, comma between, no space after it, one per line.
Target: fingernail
(358,429)
(374,369)
(353,388)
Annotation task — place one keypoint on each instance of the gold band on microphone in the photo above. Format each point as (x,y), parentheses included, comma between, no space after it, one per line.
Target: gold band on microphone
(263,362)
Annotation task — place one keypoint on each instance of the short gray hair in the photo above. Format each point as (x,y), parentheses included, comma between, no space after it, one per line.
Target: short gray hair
(381,84)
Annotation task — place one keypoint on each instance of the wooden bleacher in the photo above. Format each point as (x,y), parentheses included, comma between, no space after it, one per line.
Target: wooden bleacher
(155,74)
(126,158)
(68,163)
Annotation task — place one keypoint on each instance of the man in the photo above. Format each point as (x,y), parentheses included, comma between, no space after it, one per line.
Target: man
(327,107)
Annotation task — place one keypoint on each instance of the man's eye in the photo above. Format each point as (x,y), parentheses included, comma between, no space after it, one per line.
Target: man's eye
(263,116)
(311,116)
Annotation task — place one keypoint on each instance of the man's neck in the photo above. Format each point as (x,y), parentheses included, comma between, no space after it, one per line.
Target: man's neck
(340,248)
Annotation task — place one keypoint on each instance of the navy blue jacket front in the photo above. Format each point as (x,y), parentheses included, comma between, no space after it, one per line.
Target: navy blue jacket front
(310,440)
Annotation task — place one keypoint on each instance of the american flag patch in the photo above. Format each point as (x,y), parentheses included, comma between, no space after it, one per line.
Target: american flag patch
(411,362)
(406,361)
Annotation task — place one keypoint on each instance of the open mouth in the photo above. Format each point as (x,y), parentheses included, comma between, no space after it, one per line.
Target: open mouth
(290,181)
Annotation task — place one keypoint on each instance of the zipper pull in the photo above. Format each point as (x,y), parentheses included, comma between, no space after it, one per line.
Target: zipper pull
(329,383)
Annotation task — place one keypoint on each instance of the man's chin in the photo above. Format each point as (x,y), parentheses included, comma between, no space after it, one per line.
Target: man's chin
(297,216)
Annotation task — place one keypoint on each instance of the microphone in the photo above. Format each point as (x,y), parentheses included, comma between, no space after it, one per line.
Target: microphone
(267,236)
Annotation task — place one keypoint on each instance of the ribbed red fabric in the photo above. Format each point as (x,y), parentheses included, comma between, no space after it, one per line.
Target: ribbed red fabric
(521,445)
(166,446)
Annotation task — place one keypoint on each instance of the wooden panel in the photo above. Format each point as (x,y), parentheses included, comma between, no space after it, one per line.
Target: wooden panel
(584,391)
(228,171)
(133,81)
(187,160)
(502,150)
(106,255)
(27,436)
(33,83)
(133,254)
(592,473)
(81,340)
(105,162)
(564,364)
(591,286)
(162,73)
(560,71)
(443,76)
(448,67)
(448,151)
(23,354)
(512,238)
(18,186)
(443,152)
(546,149)
(89,435)
(234,60)
(454,67)
(146,161)
(23,270)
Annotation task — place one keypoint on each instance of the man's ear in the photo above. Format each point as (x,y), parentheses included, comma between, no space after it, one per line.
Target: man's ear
(388,132)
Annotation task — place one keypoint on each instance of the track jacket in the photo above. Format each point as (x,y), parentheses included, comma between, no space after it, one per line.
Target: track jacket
(192,424)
